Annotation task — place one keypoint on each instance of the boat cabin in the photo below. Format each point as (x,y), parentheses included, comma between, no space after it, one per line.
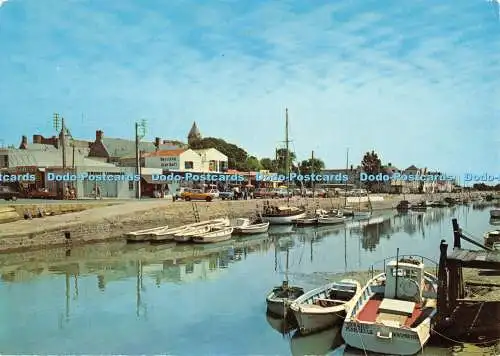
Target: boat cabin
(404,280)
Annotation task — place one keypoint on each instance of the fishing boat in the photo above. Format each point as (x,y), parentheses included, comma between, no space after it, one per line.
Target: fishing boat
(324,307)
(307,221)
(492,239)
(362,214)
(143,235)
(419,207)
(279,299)
(247,227)
(392,313)
(216,234)
(331,220)
(495,213)
(187,234)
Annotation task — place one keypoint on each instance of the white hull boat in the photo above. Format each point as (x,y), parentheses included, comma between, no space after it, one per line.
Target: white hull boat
(306,221)
(392,314)
(143,235)
(217,234)
(492,239)
(283,215)
(331,220)
(324,307)
(169,234)
(280,299)
(251,229)
(495,213)
(186,235)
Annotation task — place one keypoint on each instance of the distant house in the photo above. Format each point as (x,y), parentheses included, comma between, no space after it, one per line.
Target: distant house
(113,149)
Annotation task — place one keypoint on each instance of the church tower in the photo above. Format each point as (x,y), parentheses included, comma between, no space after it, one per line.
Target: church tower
(194,134)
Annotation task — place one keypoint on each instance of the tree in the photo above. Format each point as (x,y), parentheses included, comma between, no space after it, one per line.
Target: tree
(311,165)
(267,164)
(371,164)
(253,164)
(236,156)
(281,160)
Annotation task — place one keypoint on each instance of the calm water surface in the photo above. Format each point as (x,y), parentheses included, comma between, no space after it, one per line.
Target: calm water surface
(202,300)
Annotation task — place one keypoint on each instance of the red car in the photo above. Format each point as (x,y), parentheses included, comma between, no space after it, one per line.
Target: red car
(42,193)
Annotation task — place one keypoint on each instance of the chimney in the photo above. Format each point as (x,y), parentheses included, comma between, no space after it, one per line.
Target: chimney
(98,135)
(157,143)
(24,142)
(37,139)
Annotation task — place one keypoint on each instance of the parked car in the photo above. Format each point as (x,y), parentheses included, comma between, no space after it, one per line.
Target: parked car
(178,193)
(214,193)
(42,193)
(195,194)
(8,193)
(261,193)
(227,195)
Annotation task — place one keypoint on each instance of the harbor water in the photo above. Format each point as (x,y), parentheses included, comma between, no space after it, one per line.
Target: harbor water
(204,300)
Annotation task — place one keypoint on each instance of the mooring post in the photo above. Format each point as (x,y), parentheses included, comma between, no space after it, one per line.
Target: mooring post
(442,302)
(457,243)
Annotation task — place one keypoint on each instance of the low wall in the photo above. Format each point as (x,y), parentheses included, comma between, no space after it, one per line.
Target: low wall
(104,223)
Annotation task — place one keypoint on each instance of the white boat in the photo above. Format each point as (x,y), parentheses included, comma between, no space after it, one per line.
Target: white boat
(362,214)
(392,314)
(246,227)
(306,221)
(492,239)
(324,307)
(282,214)
(279,299)
(216,234)
(143,235)
(495,213)
(331,220)
(187,234)
(169,234)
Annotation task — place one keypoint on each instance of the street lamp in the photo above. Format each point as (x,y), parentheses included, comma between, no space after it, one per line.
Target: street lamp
(140,132)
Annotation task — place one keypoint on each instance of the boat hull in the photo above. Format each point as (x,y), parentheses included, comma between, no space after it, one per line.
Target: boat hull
(309,323)
(283,220)
(331,221)
(384,339)
(280,306)
(252,229)
(495,214)
(209,240)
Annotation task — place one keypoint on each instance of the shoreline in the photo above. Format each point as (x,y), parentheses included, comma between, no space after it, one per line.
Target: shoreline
(111,222)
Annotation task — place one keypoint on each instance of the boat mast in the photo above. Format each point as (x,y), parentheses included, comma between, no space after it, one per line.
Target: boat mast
(346,172)
(287,158)
(286,268)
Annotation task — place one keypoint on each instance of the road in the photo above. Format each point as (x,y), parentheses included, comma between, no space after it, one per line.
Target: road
(52,201)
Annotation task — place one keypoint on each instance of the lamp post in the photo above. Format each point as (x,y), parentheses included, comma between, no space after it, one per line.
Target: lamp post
(140,132)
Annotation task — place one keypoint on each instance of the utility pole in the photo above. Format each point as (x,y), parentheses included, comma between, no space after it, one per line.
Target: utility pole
(63,143)
(140,131)
(312,171)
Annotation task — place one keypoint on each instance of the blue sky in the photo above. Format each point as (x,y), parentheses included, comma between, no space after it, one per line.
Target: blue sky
(417,81)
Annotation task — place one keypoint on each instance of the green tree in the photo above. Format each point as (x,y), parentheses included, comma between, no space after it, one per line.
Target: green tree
(253,164)
(281,164)
(371,164)
(267,163)
(236,156)
(311,165)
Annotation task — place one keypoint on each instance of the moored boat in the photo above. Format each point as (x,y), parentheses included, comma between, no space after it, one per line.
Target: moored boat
(169,234)
(492,239)
(331,220)
(403,205)
(306,221)
(143,235)
(392,314)
(279,299)
(362,214)
(249,228)
(325,306)
(187,234)
(347,211)
(282,214)
(495,213)
(419,207)
(216,234)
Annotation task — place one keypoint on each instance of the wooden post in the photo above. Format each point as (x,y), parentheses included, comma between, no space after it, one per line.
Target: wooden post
(456,234)
(442,302)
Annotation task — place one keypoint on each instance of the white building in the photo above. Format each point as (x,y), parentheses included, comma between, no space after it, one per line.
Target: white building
(187,160)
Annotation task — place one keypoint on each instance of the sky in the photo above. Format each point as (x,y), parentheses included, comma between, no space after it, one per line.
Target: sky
(418,81)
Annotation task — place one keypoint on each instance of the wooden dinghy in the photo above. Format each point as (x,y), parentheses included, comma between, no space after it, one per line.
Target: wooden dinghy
(169,234)
(143,235)
(331,220)
(280,298)
(187,234)
(492,239)
(324,307)
(247,227)
(216,234)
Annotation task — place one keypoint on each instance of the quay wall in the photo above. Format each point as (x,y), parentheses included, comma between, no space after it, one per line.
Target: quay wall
(112,222)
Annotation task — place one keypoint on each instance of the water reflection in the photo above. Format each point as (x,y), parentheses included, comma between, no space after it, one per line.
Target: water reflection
(129,291)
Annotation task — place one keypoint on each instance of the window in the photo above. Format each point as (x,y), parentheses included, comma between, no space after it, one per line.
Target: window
(131,185)
(5,161)
(188,165)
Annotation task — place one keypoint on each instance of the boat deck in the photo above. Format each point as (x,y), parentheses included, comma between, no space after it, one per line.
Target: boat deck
(372,313)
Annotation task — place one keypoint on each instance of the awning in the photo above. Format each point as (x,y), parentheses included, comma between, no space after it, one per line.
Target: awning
(148,178)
